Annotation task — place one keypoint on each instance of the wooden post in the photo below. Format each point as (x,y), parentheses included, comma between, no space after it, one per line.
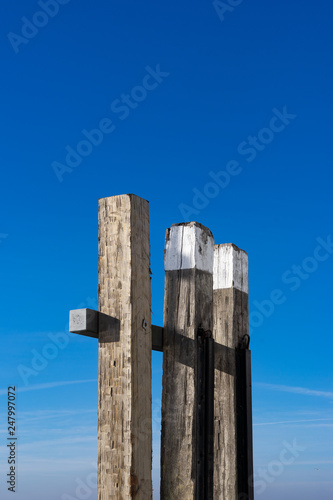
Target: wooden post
(232,464)
(124,408)
(188,305)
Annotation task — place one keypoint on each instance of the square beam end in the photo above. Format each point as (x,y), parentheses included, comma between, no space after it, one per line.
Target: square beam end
(84,322)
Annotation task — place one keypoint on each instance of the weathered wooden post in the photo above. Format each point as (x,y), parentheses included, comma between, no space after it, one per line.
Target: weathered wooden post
(124,408)
(188,306)
(123,328)
(233,467)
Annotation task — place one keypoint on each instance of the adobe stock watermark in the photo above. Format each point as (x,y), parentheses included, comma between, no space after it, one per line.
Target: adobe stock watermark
(249,149)
(57,342)
(121,108)
(264,476)
(3,236)
(84,488)
(293,278)
(222,8)
(30,27)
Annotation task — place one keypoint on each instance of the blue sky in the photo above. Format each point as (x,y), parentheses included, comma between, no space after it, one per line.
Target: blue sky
(233,129)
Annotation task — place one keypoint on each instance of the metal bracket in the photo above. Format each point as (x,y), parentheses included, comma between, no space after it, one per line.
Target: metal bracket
(205,414)
(244,343)
(244,419)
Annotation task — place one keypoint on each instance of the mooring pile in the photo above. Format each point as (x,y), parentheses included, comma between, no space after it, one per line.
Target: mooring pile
(206,438)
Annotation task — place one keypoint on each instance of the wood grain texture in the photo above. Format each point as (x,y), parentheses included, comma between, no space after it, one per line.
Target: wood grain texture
(230,325)
(124,408)
(187,305)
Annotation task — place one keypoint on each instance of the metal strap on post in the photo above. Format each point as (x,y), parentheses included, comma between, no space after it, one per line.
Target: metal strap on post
(244,421)
(205,415)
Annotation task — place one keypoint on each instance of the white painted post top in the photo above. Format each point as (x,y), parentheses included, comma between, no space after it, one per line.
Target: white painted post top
(189,246)
(230,268)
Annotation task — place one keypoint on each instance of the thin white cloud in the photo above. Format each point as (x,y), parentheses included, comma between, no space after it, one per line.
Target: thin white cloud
(29,416)
(297,390)
(294,421)
(58,442)
(315,462)
(56,466)
(48,385)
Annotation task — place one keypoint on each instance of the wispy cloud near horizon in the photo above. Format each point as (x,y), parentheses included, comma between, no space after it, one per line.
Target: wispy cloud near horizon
(294,421)
(296,390)
(48,385)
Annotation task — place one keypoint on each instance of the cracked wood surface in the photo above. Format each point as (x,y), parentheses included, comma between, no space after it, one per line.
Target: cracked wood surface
(188,304)
(124,408)
(231,318)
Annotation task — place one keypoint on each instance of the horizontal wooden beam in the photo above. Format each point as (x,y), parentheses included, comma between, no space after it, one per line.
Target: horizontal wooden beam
(157,338)
(90,323)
